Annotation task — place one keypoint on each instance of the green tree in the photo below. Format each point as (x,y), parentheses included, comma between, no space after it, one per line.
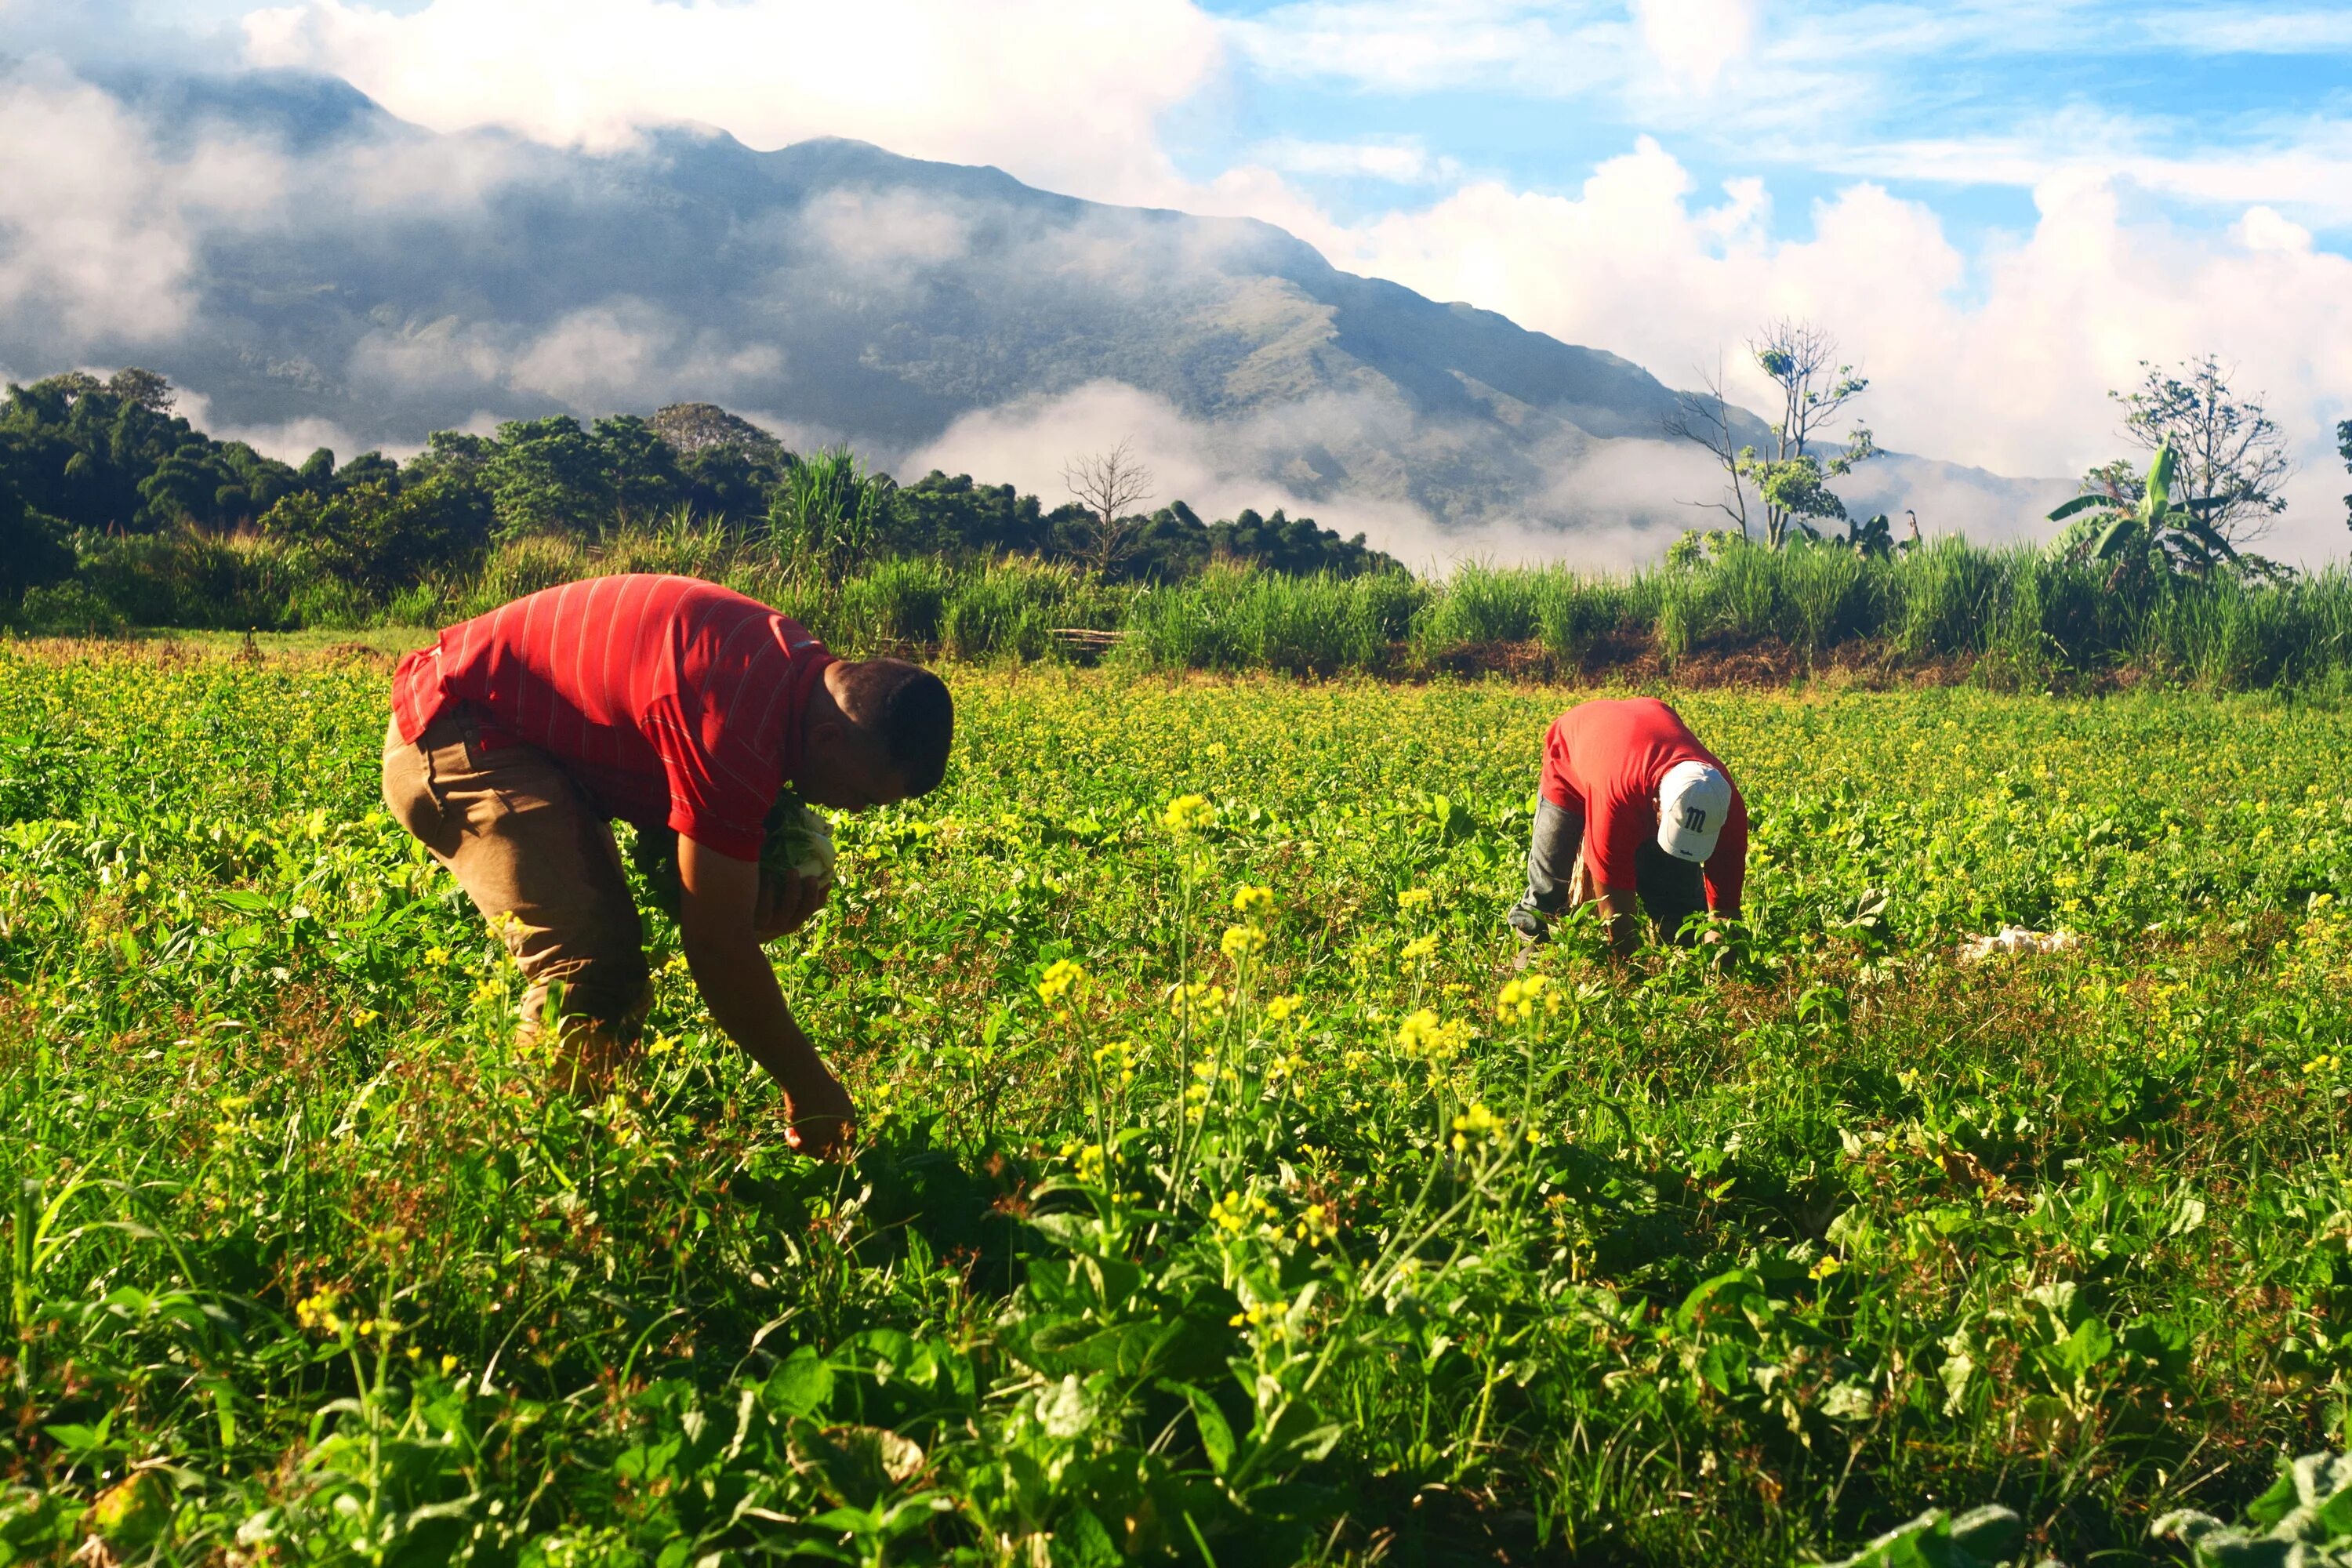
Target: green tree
(453,453)
(33,550)
(1789,477)
(318,471)
(2230,457)
(2344,449)
(641,469)
(368,469)
(547,474)
(1801,360)
(386,538)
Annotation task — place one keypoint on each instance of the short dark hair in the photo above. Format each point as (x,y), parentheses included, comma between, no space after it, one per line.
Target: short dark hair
(910,708)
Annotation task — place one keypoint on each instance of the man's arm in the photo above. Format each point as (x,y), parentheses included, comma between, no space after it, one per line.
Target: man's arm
(1612,836)
(1727,868)
(717,918)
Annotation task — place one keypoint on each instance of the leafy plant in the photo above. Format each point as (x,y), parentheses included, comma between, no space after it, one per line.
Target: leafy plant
(2145,535)
(2306,1519)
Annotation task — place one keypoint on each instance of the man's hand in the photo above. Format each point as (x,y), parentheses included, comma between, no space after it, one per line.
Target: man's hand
(821,1116)
(786,902)
(721,896)
(1624,912)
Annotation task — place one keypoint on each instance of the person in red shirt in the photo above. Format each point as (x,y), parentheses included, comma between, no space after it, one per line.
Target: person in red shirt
(1630,807)
(673,704)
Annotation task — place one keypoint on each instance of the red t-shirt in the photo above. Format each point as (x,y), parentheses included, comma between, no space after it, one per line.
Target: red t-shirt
(1605,758)
(671,700)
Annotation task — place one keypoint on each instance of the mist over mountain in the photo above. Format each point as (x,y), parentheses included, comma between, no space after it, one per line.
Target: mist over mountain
(313,269)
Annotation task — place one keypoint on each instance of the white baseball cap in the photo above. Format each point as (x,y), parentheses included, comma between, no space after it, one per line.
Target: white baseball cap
(1693,799)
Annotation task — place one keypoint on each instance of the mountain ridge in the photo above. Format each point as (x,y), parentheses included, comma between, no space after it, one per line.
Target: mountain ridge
(404,279)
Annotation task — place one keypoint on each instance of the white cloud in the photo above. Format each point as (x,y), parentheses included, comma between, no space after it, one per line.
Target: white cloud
(1064,91)
(1397,162)
(1693,40)
(628,353)
(1215,470)
(98,226)
(290,442)
(2305,166)
(1423,46)
(2002,362)
(625,352)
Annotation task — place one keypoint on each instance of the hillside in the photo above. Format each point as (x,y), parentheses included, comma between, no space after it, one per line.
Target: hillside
(395,280)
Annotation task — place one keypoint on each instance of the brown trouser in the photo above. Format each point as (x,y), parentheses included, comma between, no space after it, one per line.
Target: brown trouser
(540,864)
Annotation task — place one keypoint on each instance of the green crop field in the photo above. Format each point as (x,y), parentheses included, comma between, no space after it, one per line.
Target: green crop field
(1223,1192)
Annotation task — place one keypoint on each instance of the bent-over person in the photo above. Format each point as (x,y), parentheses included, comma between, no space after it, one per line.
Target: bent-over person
(672,704)
(1632,810)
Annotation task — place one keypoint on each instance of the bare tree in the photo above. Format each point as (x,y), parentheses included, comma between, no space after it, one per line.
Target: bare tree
(2231,459)
(1802,360)
(1109,485)
(1789,478)
(1705,417)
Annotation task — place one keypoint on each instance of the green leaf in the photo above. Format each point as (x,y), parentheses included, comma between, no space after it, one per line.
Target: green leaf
(1216,1432)
(2159,478)
(2064,509)
(802,1384)
(2114,538)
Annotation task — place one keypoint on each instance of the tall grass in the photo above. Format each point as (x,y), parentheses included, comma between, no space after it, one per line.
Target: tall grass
(2009,613)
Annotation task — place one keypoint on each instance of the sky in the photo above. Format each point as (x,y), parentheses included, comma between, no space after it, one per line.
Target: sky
(2001,208)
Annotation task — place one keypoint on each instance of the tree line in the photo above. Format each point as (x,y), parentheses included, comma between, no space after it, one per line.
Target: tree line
(85,458)
(2201,487)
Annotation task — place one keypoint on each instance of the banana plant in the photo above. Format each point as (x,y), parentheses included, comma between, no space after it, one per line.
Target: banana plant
(2166,535)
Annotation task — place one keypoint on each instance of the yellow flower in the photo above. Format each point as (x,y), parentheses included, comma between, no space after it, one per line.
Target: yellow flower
(1422,1035)
(1207,998)
(1240,941)
(1253,900)
(1189,813)
(364,1016)
(1317,1223)
(318,1312)
(1059,976)
(1518,1002)
(1830,1263)
(436,955)
(1476,1125)
(1413,898)
(1281,1007)
(1087,1158)
(1419,948)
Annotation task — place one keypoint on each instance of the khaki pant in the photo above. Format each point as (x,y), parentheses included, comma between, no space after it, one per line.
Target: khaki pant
(540,864)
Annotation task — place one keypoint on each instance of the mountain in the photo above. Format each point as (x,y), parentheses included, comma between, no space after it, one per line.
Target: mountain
(383,280)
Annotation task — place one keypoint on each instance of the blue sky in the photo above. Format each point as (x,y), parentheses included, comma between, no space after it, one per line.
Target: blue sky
(1959,106)
(1999,206)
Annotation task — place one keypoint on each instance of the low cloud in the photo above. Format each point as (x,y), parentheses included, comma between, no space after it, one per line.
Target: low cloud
(1063,90)
(631,353)
(2001,360)
(99,225)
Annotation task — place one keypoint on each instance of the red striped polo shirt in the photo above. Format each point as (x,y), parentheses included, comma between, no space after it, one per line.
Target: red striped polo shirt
(1606,758)
(671,700)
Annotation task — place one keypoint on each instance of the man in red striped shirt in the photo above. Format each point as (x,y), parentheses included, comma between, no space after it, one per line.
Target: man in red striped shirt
(669,704)
(1630,807)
